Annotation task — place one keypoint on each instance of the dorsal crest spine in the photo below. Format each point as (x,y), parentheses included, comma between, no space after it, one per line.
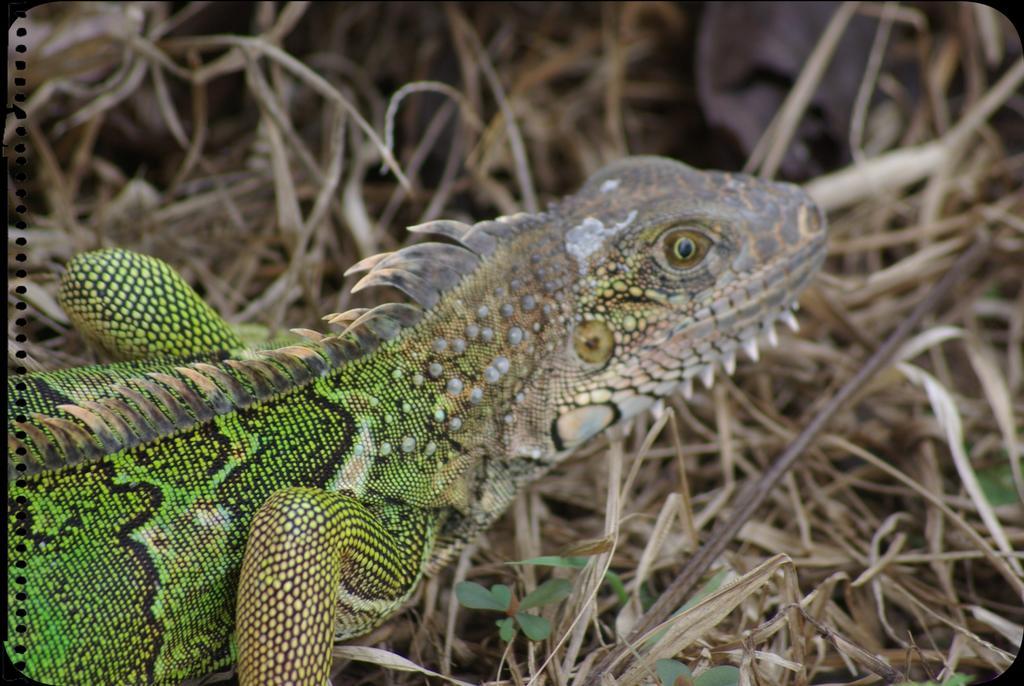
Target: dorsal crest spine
(159,403)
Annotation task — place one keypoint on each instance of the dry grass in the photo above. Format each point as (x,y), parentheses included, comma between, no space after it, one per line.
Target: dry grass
(245,148)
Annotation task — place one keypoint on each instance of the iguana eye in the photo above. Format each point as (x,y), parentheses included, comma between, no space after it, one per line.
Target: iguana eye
(684,248)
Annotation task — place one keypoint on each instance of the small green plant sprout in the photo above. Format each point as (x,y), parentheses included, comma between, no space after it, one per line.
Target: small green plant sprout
(578,562)
(674,673)
(956,679)
(499,598)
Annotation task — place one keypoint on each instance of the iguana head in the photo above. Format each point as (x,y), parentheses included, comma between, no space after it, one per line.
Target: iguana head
(540,330)
(675,271)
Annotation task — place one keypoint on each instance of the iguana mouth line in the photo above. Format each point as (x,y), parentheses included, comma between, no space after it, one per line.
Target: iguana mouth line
(703,365)
(717,346)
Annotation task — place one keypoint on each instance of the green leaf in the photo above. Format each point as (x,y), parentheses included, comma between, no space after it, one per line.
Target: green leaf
(647,596)
(578,562)
(506,629)
(673,673)
(476,597)
(551,591)
(707,589)
(956,679)
(574,562)
(615,581)
(502,594)
(996,293)
(997,484)
(536,628)
(722,675)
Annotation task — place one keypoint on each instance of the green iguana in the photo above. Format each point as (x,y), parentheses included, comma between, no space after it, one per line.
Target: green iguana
(198,504)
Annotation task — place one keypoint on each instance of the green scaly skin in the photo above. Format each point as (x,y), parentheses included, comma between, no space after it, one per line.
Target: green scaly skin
(254,507)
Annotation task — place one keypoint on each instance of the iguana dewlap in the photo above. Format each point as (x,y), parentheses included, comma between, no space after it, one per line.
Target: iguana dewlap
(197,504)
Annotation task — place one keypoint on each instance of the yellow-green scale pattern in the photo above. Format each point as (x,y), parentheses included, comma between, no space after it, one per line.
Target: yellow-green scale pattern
(172,516)
(133,306)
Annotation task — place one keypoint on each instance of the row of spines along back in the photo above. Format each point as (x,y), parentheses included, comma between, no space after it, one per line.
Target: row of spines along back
(157,403)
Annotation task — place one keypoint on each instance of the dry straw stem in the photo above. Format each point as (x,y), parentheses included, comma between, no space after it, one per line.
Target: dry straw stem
(689,625)
(595,573)
(515,138)
(767,154)
(390,661)
(900,168)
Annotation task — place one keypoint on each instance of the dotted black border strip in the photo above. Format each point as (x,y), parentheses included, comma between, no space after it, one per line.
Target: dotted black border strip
(17,628)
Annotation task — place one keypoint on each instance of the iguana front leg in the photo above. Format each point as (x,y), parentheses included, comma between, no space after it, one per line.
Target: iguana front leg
(321,566)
